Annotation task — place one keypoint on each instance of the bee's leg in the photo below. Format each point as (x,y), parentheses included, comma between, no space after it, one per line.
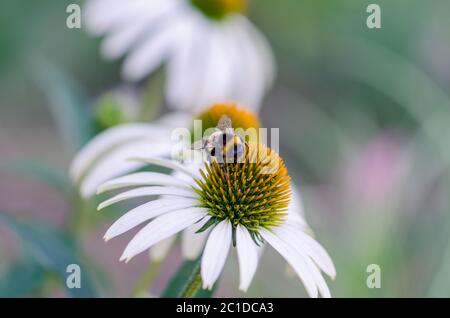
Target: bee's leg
(222,165)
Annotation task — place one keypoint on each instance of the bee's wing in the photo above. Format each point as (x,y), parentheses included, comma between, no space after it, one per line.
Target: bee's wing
(198,145)
(224,123)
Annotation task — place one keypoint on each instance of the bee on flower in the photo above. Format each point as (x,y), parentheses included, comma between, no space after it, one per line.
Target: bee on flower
(237,205)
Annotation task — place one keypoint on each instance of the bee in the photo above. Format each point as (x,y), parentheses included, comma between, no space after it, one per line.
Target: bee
(224,145)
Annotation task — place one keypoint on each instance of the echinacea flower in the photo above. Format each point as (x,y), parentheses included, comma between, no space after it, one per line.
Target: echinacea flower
(245,205)
(212,51)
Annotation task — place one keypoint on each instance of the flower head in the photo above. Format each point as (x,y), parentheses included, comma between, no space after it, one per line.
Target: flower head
(212,51)
(254,193)
(247,204)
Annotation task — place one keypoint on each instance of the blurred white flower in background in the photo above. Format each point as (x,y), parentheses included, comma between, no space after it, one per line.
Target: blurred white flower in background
(104,157)
(212,51)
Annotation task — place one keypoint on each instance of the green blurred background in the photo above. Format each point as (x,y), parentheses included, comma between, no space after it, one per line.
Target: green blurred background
(364,118)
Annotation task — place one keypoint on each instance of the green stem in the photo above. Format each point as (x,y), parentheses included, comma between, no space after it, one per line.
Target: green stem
(144,282)
(193,285)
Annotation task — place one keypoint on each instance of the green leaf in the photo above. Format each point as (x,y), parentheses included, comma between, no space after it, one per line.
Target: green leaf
(54,251)
(23,277)
(66,103)
(181,278)
(211,222)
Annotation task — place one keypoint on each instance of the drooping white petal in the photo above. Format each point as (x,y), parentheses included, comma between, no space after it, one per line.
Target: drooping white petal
(153,51)
(321,284)
(294,259)
(291,237)
(110,139)
(117,43)
(217,71)
(160,250)
(309,246)
(262,48)
(124,37)
(147,191)
(166,163)
(215,253)
(161,228)
(146,212)
(314,271)
(116,162)
(247,257)
(184,68)
(140,179)
(192,242)
(248,75)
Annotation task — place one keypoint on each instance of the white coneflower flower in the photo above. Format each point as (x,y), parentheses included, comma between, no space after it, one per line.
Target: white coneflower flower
(244,204)
(211,49)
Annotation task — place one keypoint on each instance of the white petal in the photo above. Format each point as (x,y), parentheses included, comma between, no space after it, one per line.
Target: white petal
(142,179)
(264,50)
(116,44)
(296,201)
(290,236)
(250,77)
(147,191)
(296,213)
(160,250)
(166,163)
(321,284)
(161,228)
(145,58)
(294,259)
(309,246)
(123,37)
(192,68)
(116,162)
(146,212)
(183,69)
(192,242)
(217,78)
(247,257)
(109,139)
(215,253)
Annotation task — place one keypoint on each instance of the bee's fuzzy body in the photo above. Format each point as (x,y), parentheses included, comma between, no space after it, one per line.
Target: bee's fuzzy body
(225,147)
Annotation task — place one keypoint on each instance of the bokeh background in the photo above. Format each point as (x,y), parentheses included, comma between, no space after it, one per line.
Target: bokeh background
(364,118)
